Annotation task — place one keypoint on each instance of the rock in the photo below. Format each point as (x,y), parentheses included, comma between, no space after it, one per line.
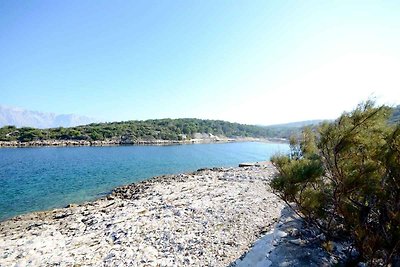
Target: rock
(294,232)
(246,164)
(322,237)
(62,215)
(280,234)
(297,241)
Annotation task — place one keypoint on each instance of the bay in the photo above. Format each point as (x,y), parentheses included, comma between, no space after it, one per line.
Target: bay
(33,179)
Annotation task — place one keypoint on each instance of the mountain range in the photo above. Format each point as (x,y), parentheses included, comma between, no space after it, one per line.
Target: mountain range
(27,118)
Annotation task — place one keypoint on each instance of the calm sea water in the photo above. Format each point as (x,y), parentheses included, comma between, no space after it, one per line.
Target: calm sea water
(34,179)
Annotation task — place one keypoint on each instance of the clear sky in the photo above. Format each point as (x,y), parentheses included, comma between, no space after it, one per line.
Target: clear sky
(258,62)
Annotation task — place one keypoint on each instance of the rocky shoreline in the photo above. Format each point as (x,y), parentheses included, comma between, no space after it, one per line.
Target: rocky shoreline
(61,143)
(207,218)
(118,142)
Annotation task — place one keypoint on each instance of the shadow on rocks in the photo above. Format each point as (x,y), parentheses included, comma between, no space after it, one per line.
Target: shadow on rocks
(291,242)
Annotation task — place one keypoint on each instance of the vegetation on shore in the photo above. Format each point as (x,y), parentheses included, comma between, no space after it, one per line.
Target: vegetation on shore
(162,129)
(344,177)
(149,130)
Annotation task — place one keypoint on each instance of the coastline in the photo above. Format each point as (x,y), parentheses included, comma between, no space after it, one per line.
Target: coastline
(116,142)
(211,216)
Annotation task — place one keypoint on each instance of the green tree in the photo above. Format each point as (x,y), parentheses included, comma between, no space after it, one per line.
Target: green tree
(345,179)
(27,134)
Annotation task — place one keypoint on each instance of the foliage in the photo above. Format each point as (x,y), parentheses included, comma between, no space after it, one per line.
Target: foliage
(164,129)
(344,177)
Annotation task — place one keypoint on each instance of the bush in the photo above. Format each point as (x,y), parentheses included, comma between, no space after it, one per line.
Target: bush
(29,134)
(344,177)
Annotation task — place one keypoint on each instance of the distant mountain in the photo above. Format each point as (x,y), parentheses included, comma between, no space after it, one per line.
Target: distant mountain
(288,129)
(292,126)
(297,124)
(26,118)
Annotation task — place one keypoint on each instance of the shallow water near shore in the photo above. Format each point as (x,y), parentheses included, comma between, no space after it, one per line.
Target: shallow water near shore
(34,179)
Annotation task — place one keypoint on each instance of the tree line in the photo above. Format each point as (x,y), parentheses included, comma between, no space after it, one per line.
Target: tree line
(161,129)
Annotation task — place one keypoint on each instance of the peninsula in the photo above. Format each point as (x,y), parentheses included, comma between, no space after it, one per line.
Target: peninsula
(153,132)
(206,218)
(211,217)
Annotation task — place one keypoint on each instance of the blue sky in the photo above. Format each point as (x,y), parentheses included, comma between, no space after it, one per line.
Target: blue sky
(260,62)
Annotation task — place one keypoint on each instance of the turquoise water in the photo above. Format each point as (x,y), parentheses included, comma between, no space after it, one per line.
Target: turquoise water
(34,179)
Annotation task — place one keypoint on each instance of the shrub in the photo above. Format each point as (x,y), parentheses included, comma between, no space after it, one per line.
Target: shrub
(344,177)
(29,134)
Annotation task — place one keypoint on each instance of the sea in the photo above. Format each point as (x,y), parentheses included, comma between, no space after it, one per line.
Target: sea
(43,178)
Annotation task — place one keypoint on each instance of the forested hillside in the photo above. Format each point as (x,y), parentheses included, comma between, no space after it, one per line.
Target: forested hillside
(162,129)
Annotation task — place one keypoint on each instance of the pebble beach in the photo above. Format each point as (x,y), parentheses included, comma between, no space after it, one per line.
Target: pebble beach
(210,217)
